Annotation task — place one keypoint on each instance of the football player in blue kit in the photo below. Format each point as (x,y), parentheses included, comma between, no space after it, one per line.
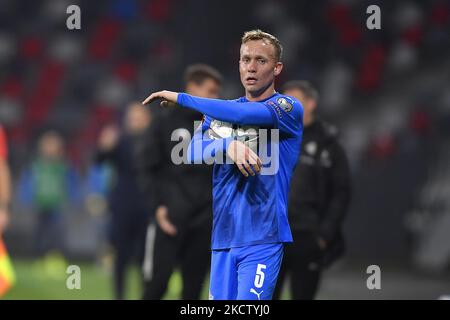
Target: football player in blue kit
(250,221)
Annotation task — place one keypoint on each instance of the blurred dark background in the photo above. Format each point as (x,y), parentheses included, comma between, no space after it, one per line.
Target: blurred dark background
(387,90)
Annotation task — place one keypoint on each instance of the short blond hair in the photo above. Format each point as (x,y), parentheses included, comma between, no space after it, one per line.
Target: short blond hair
(258,34)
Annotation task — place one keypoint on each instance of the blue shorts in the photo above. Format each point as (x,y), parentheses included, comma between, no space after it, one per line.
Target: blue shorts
(245,273)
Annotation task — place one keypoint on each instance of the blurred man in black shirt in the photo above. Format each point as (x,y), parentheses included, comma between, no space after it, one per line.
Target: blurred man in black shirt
(127,204)
(181,231)
(318,200)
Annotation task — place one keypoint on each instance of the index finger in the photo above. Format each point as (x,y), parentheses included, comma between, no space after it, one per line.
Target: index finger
(256,166)
(256,163)
(151,98)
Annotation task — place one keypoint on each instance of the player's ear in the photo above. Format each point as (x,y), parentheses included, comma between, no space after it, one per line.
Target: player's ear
(278,67)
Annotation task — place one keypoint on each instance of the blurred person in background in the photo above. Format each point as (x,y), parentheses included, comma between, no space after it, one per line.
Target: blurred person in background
(318,200)
(5,184)
(97,186)
(181,231)
(48,184)
(127,204)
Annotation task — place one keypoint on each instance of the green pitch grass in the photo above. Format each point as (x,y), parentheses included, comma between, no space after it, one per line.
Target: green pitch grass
(35,280)
(47,281)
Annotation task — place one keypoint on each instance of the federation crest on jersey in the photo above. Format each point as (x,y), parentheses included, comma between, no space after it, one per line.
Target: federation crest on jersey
(284,104)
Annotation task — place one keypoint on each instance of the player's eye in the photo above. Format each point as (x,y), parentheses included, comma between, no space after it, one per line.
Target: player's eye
(245,60)
(261,61)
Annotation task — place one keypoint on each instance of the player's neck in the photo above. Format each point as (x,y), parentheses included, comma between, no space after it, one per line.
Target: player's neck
(258,96)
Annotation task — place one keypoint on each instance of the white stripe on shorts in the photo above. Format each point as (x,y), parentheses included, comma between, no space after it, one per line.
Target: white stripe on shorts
(147,266)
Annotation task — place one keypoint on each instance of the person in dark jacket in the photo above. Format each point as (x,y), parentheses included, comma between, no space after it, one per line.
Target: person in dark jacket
(318,200)
(181,231)
(128,207)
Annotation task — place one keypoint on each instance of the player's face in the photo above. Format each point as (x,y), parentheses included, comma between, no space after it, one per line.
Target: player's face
(209,88)
(258,66)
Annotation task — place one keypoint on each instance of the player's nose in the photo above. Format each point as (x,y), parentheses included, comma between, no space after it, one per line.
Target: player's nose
(252,67)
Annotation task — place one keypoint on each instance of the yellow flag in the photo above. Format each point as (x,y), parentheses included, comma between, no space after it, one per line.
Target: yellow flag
(7,276)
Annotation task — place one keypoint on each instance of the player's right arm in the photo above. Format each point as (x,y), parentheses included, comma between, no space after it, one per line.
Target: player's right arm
(202,149)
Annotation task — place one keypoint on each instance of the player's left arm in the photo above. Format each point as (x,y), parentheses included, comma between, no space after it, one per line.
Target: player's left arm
(286,116)
(340,190)
(248,113)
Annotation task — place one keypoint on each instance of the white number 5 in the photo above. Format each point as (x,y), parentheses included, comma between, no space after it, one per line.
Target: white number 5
(259,278)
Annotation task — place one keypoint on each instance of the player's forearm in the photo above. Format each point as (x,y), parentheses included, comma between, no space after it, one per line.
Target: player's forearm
(246,113)
(203,150)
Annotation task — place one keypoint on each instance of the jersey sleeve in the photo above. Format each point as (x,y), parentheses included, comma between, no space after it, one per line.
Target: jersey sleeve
(202,149)
(243,113)
(287,114)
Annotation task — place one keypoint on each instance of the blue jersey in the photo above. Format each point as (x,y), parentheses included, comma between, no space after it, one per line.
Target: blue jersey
(250,210)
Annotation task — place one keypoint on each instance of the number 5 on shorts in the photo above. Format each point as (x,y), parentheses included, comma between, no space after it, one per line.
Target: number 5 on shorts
(259,277)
